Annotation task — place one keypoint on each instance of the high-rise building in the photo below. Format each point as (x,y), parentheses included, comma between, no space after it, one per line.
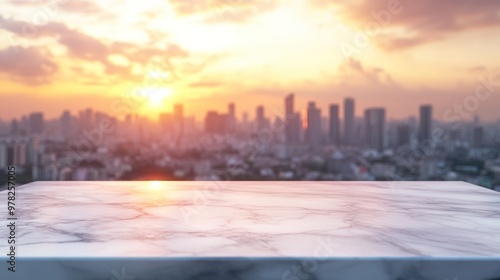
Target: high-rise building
(24,125)
(20,153)
(260,118)
(179,119)
(477,136)
(334,125)
(3,155)
(166,121)
(292,121)
(349,122)
(375,128)
(231,108)
(33,150)
(36,123)
(65,124)
(289,104)
(313,134)
(403,135)
(14,128)
(425,127)
(215,123)
(178,113)
(231,117)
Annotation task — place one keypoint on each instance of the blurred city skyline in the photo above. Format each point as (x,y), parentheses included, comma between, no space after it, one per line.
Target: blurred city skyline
(71,55)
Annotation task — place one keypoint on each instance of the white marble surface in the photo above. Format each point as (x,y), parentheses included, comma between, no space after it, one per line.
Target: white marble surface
(256,219)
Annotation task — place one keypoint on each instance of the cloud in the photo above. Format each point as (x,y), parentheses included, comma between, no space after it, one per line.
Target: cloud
(417,22)
(217,11)
(476,69)
(353,72)
(80,6)
(32,66)
(72,6)
(82,46)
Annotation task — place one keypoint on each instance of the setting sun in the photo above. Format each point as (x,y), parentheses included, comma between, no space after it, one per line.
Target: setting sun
(158,96)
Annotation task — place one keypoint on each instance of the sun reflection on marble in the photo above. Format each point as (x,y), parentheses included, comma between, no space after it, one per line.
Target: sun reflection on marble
(155,184)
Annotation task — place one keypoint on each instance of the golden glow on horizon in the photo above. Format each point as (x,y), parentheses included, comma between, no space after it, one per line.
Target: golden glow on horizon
(208,53)
(155,184)
(157,96)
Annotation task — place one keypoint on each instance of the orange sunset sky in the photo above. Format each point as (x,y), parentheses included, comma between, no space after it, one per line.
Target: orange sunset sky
(73,54)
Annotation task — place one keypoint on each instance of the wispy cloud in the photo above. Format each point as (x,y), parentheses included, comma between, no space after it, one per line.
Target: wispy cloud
(417,22)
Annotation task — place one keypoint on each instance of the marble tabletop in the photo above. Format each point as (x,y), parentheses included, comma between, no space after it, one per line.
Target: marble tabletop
(322,220)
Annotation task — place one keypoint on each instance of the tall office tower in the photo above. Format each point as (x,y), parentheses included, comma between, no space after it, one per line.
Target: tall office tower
(231,108)
(179,119)
(36,123)
(81,121)
(65,124)
(178,113)
(3,154)
(231,117)
(33,150)
(349,122)
(292,121)
(20,153)
(424,131)
(166,121)
(215,123)
(14,128)
(289,114)
(477,136)
(403,135)
(375,128)
(313,124)
(334,125)
(260,118)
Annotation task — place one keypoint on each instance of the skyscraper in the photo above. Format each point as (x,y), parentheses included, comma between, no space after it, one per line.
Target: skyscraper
(260,118)
(3,155)
(14,128)
(424,131)
(36,123)
(178,114)
(215,123)
(477,136)
(65,124)
(375,128)
(349,122)
(334,125)
(313,124)
(292,121)
(231,117)
(166,121)
(231,108)
(289,104)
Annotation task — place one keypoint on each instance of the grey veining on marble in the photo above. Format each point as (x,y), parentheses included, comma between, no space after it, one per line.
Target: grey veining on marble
(258,223)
